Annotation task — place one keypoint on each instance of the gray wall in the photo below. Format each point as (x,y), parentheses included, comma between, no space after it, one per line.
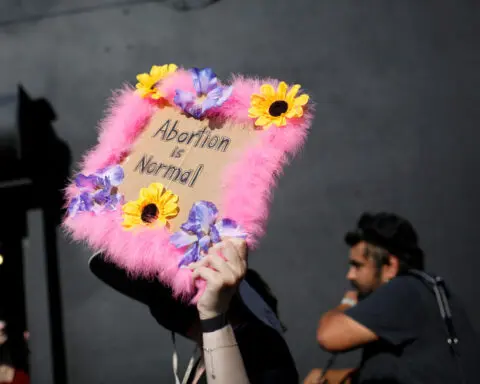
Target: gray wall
(396,86)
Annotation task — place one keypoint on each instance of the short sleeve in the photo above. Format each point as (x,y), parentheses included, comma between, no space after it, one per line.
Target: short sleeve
(394,312)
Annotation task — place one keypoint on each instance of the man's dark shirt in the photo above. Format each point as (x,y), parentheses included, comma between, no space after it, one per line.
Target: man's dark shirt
(412,346)
(265,353)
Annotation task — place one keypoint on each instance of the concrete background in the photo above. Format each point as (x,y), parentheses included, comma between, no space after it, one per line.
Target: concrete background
(397,91)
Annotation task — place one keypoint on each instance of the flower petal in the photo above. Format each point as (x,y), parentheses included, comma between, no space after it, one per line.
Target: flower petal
(191,256)
(216,97)
(257,100)
(114,175)
(73,206)
(89,182)
(181,239)
(132,208)
(267,90)
(263,121)
(225,95)
(301,100)
(205,214)
(256,112)
(229,228)
(214,235)
(183,98)
(157,71)
(292,93)
(101,197)
(144,78)
(204,243)
(282,90)
(194,110)
(192,226)
(204,80)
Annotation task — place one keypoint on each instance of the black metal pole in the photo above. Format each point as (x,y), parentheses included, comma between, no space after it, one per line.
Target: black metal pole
(54,298)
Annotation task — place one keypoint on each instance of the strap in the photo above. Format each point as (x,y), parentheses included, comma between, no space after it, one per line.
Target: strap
(191,363)
(439,288)
(214,324)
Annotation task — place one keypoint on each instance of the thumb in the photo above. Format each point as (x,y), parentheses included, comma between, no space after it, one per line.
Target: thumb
(239,244)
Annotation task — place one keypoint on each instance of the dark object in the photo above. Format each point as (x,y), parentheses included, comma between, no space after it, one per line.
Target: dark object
(214,324)
(413,344)
(391,232)
(33,177)
(265,353)
(437,284)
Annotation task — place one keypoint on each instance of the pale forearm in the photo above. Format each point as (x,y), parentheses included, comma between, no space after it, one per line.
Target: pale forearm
(223,361)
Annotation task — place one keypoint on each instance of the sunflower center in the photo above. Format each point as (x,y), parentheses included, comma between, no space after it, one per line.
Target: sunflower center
(277,108)
(149,213)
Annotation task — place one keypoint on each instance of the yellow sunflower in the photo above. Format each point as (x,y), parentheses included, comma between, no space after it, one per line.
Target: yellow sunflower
(147,82)
(154,206)
(275,107)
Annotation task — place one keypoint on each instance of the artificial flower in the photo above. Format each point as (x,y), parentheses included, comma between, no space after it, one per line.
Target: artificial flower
(203,229)
(154,206)
(148,83)
(209,93)
(97,191)
(275,107)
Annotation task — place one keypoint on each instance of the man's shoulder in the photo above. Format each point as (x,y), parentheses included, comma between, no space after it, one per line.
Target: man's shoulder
(406,284)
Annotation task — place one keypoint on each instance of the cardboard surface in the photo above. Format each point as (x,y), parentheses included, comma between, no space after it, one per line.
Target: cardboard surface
(186,155)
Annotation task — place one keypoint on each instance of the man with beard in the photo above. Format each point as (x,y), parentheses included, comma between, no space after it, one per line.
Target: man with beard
(411,328)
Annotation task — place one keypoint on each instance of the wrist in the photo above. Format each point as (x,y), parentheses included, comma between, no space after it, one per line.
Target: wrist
(209,314)
(348,301)
(213,324)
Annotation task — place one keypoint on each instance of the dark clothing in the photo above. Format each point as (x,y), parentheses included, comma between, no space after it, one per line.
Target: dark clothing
(265,353)
(412,346)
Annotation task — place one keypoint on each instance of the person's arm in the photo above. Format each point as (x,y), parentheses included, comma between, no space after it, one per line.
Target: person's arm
(333,376)
(382,315)
(338,332)
(223,274)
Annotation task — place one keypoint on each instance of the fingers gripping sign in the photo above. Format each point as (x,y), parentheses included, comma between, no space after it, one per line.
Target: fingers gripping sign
(223,269)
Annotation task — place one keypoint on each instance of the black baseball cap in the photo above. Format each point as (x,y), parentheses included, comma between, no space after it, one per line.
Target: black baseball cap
(389,231)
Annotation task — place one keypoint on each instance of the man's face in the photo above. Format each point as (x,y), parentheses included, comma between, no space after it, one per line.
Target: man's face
(363,273)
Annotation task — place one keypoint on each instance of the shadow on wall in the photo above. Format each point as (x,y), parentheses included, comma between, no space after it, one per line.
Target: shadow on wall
(35,169)
(14,12)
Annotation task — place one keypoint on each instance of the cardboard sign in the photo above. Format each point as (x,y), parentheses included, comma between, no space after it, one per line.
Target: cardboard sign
(188,156)
(183,162)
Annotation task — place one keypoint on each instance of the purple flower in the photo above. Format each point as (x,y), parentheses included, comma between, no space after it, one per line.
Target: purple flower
(201,230)
(97,191)
(209,93)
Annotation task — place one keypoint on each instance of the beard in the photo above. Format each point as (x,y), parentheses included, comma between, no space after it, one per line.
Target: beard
(363,292)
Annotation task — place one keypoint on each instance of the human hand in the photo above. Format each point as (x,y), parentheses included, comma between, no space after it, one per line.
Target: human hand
(315,377)
(223,268)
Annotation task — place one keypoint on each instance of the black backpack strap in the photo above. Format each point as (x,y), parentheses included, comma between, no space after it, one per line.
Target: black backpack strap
(439,288)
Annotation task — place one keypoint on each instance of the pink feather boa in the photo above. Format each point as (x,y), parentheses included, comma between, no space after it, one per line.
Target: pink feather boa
(247,184)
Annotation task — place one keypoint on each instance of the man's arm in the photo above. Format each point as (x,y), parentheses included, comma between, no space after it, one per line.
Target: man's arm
(338,332)
(382,315)
(333,376)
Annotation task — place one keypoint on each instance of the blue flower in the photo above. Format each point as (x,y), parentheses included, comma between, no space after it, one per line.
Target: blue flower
(209,93)
(97,191)
(203,229)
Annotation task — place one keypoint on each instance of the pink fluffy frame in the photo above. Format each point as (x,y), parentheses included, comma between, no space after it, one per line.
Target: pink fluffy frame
(247,184)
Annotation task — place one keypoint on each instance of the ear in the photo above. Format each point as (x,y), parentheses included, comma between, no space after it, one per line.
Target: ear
(391,269)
